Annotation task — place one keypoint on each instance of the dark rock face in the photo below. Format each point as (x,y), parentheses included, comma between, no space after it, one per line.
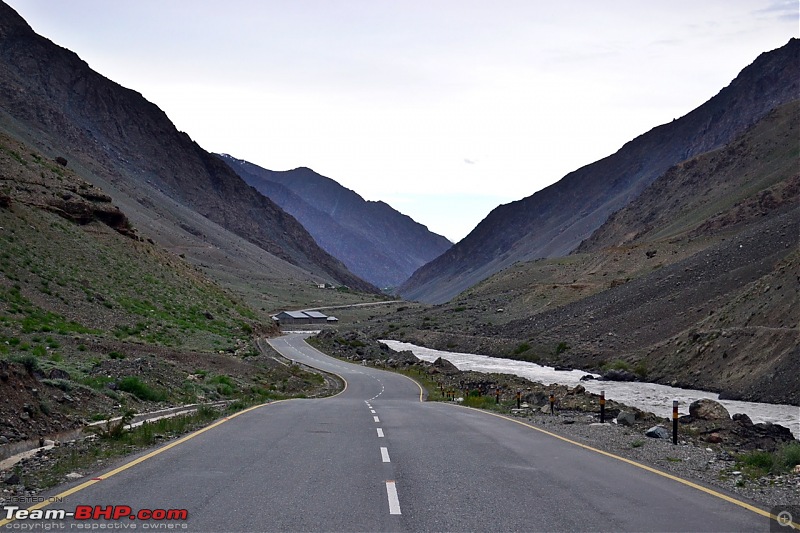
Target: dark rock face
(554,221)
(120,135)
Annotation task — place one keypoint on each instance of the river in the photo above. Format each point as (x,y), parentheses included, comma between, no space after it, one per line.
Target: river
(650,397)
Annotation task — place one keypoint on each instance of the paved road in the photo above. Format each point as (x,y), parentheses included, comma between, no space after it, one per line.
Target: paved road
(375,458)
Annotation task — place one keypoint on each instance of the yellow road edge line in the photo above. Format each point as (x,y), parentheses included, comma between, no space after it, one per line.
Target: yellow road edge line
(415,382)
(135,462)
(692,484)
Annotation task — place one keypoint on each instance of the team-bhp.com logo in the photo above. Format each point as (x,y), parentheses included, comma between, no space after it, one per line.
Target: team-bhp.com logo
(90,517)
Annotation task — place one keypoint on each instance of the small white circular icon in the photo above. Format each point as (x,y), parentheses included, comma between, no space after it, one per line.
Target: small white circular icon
(785,519)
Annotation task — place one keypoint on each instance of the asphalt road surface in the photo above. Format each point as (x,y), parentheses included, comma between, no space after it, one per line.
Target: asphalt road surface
(376,458)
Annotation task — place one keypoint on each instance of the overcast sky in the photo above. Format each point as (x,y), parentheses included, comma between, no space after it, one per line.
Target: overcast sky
(442,108)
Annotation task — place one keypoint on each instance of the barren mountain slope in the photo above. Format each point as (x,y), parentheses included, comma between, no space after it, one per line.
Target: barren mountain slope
(554,221)
(127,145)
(699,286)
(376,242)
(95,320)
(756,173)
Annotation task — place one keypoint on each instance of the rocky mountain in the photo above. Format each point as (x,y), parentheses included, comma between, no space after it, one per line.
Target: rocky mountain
(554,221)
(374,241)
(693,283)
(172,189)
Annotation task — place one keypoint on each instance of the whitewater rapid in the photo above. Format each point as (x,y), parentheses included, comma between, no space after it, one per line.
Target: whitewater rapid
(650,397)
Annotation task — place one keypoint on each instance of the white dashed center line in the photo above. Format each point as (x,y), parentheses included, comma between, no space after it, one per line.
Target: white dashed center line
(372,411)
(380,432)
(394,501)
(376,419)
(385,454)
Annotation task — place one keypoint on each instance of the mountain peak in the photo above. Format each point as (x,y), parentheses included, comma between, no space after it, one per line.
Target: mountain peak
(371,238)
(554,221)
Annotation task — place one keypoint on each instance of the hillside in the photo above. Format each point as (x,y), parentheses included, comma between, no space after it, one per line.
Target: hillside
(374,241)
(170,188)
(95,319)
(694,283)
(554,221)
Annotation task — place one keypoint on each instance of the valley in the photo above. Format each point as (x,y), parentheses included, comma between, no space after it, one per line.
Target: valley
(140,272)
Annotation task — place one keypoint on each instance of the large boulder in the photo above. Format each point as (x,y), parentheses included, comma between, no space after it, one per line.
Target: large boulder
(625,418)
(619,375)
(445,367)
(658,432)
(705,409)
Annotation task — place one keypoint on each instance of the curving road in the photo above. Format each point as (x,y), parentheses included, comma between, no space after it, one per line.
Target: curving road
(376,458)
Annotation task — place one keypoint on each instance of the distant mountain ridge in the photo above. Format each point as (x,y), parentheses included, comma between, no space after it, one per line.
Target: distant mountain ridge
(694,283)
(374,241)
(51,97)
(554,221)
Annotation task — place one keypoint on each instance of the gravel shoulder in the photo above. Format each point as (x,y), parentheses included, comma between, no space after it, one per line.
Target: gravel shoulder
(710,465)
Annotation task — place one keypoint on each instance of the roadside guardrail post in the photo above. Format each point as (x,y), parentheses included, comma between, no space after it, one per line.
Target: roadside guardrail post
(497,395)
(674,421)
(519,398)
(602,407)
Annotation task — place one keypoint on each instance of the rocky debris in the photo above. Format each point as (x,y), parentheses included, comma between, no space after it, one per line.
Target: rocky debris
(357,346)
(579,389)
(711,464)
(619,375)
(706,409)
(5,201)
(658,432)
(57,373)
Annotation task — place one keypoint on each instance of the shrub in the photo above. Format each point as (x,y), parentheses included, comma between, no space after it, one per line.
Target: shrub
(39,351)
(759,463)
(141,390)
(789,456)
(523,347)
(28,361)
(618,364)
(113,430)
(479,402)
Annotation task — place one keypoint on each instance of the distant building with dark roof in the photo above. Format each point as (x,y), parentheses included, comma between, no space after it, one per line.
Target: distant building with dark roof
(302,317)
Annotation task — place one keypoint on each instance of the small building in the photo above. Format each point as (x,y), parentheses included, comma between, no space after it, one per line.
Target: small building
(300,317)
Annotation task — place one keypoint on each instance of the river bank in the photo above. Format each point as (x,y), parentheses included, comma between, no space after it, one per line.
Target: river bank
(650,397)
